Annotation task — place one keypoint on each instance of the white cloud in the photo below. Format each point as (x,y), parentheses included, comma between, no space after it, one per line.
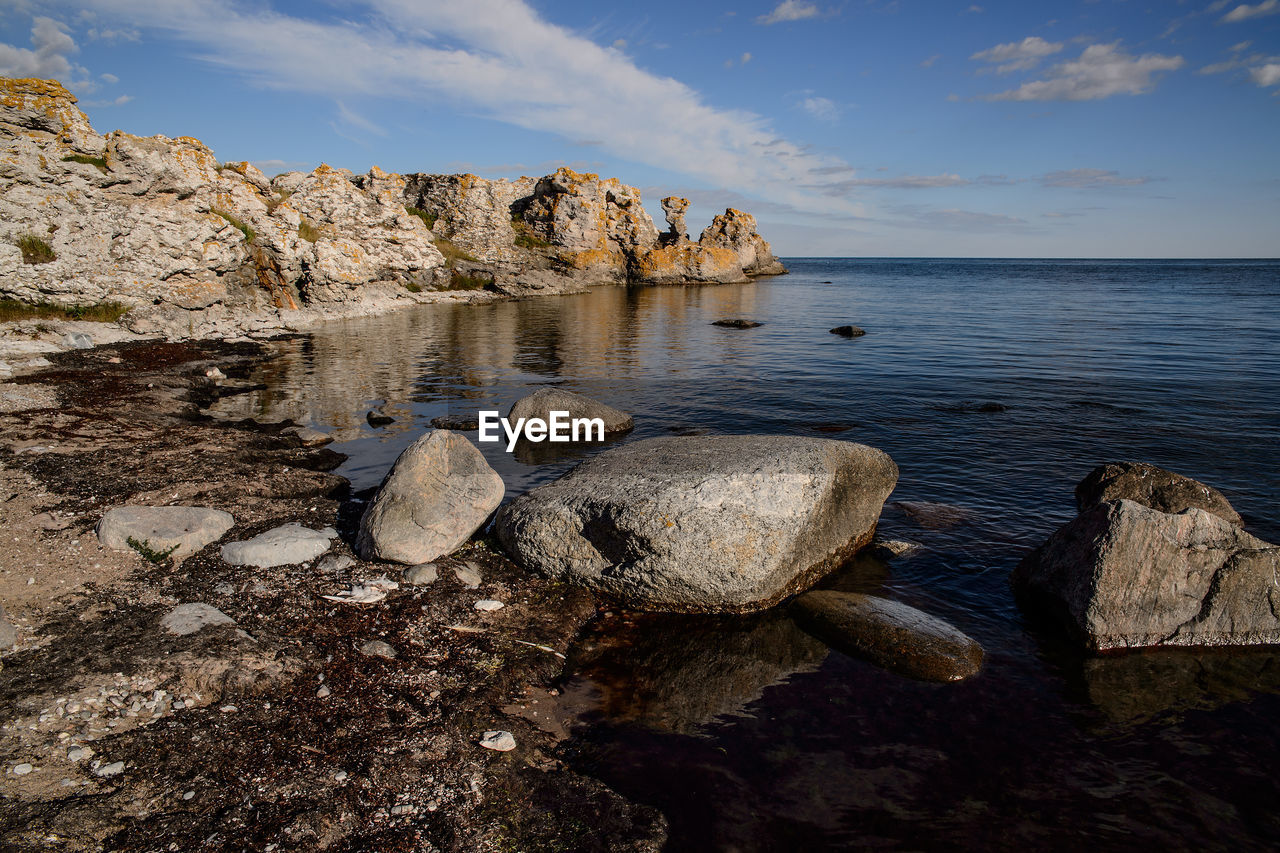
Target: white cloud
(977,10)
(497,59)
(824,109)
(1101,71)
(903,182)
(789,10)
(47,57)
(1266,75)
(354,119)
(953,219)
(110,78)
(114,102)
(928,63)
(1018,55)
(746,57)
(1091,179)
(1244,11)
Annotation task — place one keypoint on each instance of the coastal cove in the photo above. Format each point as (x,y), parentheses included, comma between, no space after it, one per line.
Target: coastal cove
(995,386)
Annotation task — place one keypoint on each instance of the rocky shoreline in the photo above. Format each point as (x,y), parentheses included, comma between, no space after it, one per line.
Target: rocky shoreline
(179,245)
(306,723)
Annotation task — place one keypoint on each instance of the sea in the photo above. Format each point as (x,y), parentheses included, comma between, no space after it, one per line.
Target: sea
(996,385)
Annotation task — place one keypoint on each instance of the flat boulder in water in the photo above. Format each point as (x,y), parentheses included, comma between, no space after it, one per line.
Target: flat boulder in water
(890,634)
(736,324)
(541,403)
(1152,487)
(438,492)
(704,523)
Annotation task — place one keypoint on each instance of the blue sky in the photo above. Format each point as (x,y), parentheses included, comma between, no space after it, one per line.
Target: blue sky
(856,128)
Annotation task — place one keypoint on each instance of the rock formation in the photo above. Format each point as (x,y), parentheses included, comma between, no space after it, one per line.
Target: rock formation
(1160,572)
(198,248)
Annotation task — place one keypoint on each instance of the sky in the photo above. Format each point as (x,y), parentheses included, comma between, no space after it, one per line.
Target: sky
(851,128)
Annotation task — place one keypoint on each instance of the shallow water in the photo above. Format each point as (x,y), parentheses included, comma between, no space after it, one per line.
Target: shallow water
(748,735)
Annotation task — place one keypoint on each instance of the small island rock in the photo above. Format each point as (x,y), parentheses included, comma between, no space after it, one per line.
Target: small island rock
(848,331)
(542,402)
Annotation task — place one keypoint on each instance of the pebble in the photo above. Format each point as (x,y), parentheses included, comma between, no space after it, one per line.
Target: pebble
(78,753)
(499,741)
(377,648)
(421,574)
(324,692)
(334,563)
(228,709)
(189,795)
(224,589)
(469,575)
(215,374)
(340,776)
(115,768)
(22,769)
(404,808)
(489,604)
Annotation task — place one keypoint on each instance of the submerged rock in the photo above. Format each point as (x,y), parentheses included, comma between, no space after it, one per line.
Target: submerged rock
(438,492)
(186,529)
(1153,487)
(848,331)
(461,423)
(890,634)
(542,402)
(737,324)
(706,523)
(281,546)
(1124,575)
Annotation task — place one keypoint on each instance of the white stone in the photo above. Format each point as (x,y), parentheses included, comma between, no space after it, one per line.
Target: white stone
(281,546)
(498,740)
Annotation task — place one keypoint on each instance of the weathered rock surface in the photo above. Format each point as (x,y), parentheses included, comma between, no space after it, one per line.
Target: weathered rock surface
(436,495)
(186,529)
(192,618)
(8,633)
(1123,575)
(569,229)
(198,248)
(890,634)
(281,546)
(542,402)
(1153,487)
(705,523)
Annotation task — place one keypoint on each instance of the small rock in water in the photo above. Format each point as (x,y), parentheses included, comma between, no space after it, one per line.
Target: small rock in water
(888,549)
(377,648)
(890,634)
(736,324)
(458,422)
(848,331)
(191,618)
(78,340)
(499,741)
(469,575)
(22,769)
(489,604)
(377,417)
(115,768)
(421,574)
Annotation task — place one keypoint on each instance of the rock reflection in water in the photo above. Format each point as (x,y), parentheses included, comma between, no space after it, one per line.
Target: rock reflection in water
(1140,686)
(677,673)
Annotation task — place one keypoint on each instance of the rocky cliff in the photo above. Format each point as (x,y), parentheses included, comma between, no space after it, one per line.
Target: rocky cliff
(198,248)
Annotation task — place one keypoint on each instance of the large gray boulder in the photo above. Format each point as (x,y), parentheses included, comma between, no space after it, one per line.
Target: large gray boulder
(1153,487)
(436,495)
(542,402)
(186,529)
(890,634)
(1125,575)
(703,523)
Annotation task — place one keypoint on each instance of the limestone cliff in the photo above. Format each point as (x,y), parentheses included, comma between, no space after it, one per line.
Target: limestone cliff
(199,248)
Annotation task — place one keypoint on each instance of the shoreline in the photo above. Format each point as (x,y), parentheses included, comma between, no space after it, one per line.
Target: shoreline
(389,757)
